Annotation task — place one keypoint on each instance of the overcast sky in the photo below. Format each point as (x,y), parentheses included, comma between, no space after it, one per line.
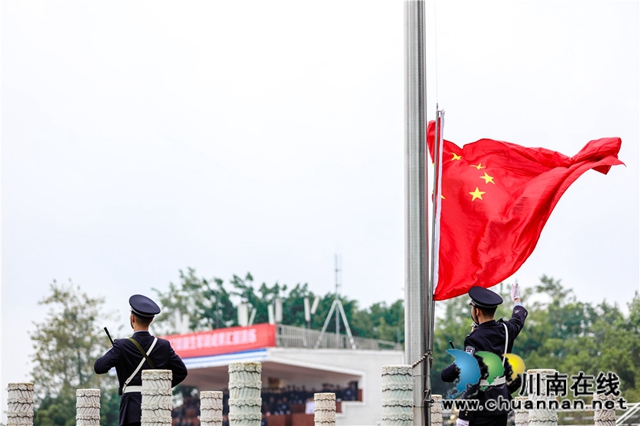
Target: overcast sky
(144,137)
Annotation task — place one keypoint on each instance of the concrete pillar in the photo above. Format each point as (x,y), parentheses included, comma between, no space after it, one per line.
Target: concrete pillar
(156,397)
(88,407)
(397,395)
(603,416)
(211,408)
(538,392)
(436,410)
(324,411)
(245,402)
(522,415)
(20,404)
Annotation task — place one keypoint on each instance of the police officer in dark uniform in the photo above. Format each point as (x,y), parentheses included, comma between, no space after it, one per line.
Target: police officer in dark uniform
(491,336)
(140,352)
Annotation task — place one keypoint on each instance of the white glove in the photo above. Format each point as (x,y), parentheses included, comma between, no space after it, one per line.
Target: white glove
(515,294)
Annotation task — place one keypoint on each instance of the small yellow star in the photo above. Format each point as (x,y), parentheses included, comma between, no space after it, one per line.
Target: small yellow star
(476,194)
(456,157)
(479,166)
(442,196)
(487,178)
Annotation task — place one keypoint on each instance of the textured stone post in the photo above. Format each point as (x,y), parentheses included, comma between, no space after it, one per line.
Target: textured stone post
(156,397)
(20,404)
(88,407)
(397,395)
(211,408)
(436,410)
(603,416)
(245,383)
(522,415)
(324,411)
(538,382)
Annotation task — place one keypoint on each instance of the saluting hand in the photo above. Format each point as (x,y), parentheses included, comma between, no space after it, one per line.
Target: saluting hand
(515,293)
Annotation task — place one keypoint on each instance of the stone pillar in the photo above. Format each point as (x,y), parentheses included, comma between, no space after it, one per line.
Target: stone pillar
(245,402)
(436,410)
(88,407)
(20,404)
(211,408)
(156,397)
(397,395)
(538,392)
(601,415)
(522,415)
(324,411)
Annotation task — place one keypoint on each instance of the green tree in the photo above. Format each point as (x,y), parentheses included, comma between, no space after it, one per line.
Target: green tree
(66,345)
(293,306)
(260,301)
(209,303)
(381,321)
(629,342)
(206,302)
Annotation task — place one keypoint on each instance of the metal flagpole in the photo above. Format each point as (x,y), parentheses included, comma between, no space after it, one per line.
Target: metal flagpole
(417,305)
(435,228)
(437,198)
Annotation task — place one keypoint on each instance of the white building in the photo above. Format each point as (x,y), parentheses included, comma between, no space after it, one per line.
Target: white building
(293,357)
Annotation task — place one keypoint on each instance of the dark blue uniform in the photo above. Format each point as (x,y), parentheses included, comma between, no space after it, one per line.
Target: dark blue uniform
(125,357)
(489,336)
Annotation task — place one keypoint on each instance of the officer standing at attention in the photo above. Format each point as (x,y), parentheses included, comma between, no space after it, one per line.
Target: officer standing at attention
(140,352)
(491,336)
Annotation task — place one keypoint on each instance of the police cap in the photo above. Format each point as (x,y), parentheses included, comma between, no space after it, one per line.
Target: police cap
(142,306)
(484,298)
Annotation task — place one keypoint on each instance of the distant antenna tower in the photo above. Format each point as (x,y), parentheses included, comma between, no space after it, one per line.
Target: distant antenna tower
(337,306)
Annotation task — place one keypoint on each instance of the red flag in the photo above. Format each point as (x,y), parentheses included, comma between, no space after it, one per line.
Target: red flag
(496,198)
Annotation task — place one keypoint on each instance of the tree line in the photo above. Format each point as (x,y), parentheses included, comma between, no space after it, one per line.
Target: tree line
(561,332)
(211,304)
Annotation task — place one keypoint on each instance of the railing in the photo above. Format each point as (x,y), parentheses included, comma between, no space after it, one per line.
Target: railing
(288,336)
(631,413)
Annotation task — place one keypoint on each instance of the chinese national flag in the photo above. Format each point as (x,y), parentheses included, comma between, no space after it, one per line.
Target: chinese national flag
(496,198)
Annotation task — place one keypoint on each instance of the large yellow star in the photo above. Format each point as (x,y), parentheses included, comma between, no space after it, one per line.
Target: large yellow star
(479,166)
(487,178)
(476,194)
(456,156)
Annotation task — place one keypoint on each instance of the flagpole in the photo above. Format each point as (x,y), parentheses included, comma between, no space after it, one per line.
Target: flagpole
(435,227)
(417,305)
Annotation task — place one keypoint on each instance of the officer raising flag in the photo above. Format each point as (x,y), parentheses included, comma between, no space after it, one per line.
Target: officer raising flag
(142,351)
(492,336)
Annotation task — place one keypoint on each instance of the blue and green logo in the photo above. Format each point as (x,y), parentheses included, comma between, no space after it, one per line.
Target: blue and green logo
(470,374)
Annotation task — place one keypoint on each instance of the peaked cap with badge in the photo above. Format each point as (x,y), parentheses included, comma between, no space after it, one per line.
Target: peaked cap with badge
(143,307)
(484,298)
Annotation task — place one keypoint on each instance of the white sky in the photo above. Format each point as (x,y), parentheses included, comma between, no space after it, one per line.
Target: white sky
(144,137)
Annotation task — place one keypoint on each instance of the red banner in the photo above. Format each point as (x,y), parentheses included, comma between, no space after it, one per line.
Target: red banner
(223,340)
